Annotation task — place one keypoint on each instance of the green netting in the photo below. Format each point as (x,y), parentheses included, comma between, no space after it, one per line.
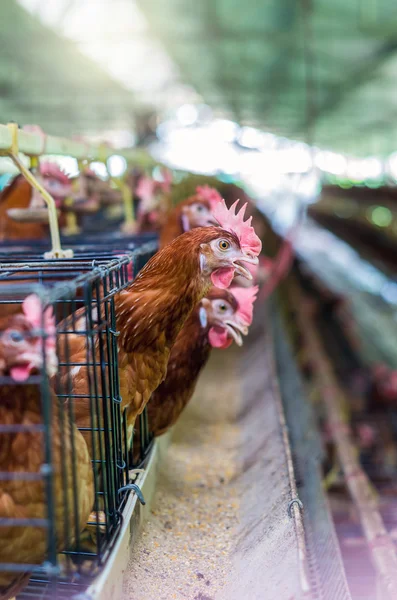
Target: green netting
(45,80)
(248,59)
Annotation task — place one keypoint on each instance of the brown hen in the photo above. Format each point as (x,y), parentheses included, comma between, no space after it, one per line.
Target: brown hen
(220,318)
(153,309)
(195,211)
(22,452)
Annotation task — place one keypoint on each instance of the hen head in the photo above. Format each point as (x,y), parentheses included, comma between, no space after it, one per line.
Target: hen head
(238,243)
(227,314)
(21,344)
(55,181)
(196,211)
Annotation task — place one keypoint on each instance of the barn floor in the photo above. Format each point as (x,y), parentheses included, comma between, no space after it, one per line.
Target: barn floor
(219,526)
(185,548)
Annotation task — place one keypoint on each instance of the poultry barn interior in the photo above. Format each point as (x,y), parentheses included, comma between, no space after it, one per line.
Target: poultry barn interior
(198,300)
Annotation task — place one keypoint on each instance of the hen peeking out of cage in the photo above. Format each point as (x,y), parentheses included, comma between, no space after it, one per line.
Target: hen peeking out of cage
(220,319)
(46,479)
(152,310)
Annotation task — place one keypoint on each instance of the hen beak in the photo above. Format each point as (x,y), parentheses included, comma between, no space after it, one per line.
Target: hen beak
(33,359)
(243,271)
(236,330)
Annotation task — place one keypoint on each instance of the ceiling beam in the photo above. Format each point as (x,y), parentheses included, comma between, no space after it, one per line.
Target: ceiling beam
(339,92)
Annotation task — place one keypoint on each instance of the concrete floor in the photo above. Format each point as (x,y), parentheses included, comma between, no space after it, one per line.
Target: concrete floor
(219,527)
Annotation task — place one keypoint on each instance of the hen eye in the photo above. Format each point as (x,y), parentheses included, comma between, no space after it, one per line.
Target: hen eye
(16,336)
(223,245)
(200,208)
(222,307)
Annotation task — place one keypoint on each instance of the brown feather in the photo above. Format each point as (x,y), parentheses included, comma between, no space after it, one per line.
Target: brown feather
(18,195)
(151,311)
(24,452)
(188,357)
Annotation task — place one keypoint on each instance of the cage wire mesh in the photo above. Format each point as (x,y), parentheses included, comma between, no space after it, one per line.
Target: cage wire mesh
(73,467)
(84,248)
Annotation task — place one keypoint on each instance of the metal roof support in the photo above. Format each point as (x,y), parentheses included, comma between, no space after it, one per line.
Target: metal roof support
(33,144)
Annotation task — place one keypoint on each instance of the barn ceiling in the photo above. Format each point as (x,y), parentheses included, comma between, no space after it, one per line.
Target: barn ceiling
(322,71)
(45,80)
(313,70)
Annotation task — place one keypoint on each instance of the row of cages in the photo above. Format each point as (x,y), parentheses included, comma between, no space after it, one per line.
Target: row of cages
(67,463)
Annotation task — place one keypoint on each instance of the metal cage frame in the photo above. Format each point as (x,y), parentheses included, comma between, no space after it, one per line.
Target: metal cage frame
(87,282)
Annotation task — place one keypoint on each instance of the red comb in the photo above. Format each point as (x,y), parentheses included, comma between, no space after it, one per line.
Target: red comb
(145,188)
(50,169)
(33,311)
(231,220)
(205,192)
(245,299)
(165,185)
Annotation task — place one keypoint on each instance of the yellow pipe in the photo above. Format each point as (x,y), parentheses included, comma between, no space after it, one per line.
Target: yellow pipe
(56,251)
(128,200)
(127,195)
(34,162)
(14,140)
(72,227)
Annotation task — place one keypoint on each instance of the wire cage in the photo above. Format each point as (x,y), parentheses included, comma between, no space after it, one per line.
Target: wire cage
(71,472)
(89,247)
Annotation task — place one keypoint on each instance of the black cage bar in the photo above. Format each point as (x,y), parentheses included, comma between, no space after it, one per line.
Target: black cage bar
(80,292)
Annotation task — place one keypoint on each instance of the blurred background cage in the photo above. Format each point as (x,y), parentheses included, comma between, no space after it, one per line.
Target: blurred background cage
(88,284)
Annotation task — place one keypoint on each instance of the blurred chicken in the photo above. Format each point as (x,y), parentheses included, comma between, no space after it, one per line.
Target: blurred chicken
(154,201)
(92,192)
(384,388)
(230,193)
(19,198)
(195,211)
(222,317)
(153,309)
(375,441)
(21,353)
(23,211)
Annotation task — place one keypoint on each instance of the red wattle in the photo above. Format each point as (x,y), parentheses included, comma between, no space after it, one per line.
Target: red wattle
(218,338)
(222,277)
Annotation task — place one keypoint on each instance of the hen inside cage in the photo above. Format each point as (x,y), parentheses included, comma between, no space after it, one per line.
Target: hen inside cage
(66,464)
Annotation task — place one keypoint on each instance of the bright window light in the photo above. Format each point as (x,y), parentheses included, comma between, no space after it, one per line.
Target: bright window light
(249,137)
(296,159)
(331,162)
(117,165)
(226,130)
(187,114)
(373,167)
(356,170)
(99,169)
(392,165)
